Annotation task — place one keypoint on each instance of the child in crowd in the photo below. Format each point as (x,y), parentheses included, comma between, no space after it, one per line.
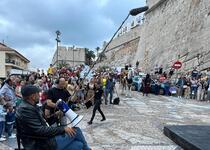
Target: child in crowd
(10,121)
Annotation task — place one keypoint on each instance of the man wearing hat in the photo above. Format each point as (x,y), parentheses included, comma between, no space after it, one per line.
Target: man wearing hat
(36,134)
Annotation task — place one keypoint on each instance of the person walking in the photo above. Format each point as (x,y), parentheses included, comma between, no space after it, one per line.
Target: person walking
(97,103)
(109,90)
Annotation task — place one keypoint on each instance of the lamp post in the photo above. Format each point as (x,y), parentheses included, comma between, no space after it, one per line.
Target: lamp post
(73,55)
(58,33)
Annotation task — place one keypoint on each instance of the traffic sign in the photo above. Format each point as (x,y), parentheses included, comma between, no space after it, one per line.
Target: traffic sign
(177,65)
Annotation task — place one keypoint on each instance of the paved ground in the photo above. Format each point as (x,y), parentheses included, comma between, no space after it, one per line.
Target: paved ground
(137,123)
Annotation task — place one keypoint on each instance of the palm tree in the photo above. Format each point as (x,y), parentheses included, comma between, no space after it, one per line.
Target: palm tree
(63,64)
(89,56)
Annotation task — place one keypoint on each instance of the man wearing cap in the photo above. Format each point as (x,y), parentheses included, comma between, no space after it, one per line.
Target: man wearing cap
(36,134)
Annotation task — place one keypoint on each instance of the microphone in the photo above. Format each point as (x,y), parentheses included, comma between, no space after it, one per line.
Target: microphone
(139,10)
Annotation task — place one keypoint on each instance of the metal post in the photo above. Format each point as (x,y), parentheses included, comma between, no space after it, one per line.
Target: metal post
(73,56)
(58,33)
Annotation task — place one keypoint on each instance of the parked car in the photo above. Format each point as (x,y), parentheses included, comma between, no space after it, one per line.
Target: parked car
(163,88)
(137,83)
(156,88)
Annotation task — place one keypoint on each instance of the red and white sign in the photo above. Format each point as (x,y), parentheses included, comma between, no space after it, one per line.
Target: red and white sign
(177,65)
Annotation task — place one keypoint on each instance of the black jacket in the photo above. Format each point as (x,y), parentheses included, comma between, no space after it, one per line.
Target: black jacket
(33,130)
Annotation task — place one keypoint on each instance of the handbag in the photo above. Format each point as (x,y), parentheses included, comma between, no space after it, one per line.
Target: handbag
(88,104)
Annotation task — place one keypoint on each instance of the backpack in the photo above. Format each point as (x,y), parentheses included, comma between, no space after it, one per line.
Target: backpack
(116,101)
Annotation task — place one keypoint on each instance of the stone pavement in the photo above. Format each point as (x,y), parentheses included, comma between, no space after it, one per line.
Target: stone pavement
(137,123)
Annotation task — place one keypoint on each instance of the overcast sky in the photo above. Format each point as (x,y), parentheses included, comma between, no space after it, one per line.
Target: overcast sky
(29,25)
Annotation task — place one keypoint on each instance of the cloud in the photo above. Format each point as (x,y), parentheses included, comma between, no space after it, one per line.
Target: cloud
(30,25)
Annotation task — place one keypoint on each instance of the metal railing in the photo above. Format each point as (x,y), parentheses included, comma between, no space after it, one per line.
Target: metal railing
(10,61)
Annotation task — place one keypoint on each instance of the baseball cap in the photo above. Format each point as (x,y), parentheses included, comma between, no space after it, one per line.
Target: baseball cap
(29,90)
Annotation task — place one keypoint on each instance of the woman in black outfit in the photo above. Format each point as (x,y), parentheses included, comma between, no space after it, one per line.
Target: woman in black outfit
(97,103)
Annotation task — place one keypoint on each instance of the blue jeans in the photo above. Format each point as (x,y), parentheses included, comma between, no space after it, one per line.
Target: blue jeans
(193,92)
(167,90)
(139,87)
(77,142)
(9,129)
(107,92)
(1,127)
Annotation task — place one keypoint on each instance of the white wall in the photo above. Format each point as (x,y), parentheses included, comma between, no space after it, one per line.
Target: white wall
(2,64)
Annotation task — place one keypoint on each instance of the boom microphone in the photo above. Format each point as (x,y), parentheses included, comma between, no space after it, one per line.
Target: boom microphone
(139,10)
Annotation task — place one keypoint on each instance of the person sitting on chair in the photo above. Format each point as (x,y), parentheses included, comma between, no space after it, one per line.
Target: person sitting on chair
(36,134)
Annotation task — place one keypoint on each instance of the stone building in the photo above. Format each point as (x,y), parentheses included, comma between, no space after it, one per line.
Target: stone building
(172,29)
(70,56)
(122,49)
(11,61)
(175,29)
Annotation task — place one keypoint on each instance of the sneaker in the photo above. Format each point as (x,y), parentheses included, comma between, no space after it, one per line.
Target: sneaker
(103,119)
(12,136)
(2,139)
(3,136)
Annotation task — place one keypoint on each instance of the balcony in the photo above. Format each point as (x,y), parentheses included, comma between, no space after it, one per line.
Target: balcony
(10,61)
(13,63)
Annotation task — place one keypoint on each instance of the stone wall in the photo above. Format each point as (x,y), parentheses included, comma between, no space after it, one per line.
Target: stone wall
(151,3)
(126,37)
(175,28)
(122,49)
(69,55)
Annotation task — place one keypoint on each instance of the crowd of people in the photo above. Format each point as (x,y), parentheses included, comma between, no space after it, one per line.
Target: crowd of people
(64,83)
(193,85)
(19,92)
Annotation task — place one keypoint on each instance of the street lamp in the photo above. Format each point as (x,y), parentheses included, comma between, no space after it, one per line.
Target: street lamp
(73,54)
(58,33)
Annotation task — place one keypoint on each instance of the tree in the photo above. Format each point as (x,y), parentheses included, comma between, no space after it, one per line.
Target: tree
(102,56)
(97,50)
(89,56)
(62,64)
